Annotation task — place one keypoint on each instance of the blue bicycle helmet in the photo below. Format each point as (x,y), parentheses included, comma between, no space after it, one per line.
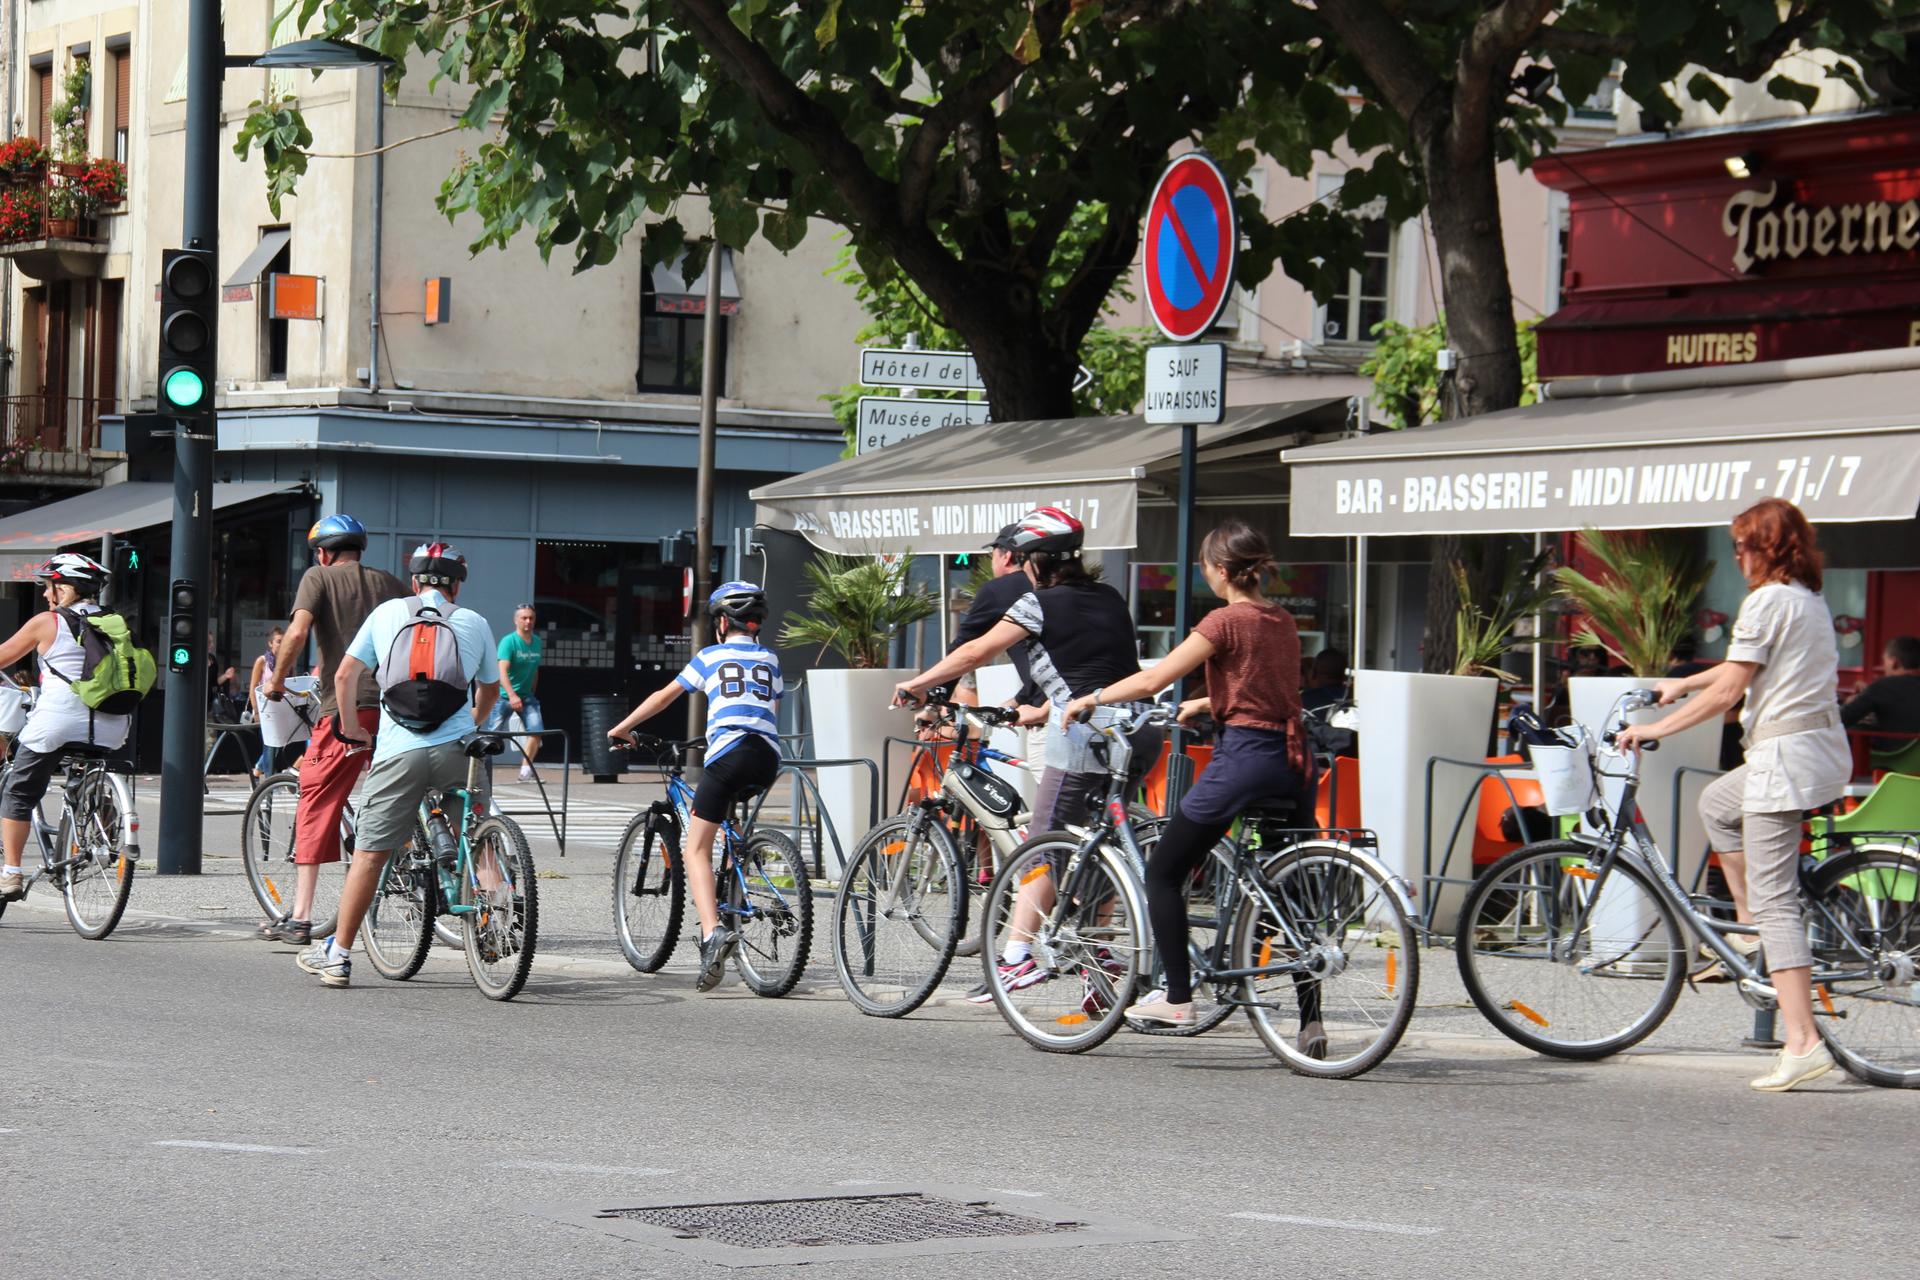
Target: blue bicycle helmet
(743,602)
(337,533)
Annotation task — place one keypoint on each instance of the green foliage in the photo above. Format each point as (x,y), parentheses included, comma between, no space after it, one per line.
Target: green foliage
(955,142)
(1405,369)
(1641,604)
(1484,632)
(278,129)
(856,606)
(68,115)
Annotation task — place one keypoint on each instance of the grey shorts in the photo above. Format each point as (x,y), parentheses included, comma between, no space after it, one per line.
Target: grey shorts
(1771,843)
(395,786)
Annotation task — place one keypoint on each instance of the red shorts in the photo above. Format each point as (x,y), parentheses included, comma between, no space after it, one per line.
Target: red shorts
(328,773)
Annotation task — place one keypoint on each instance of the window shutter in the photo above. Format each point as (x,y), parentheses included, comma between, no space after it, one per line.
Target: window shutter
(45,76)
(122,88)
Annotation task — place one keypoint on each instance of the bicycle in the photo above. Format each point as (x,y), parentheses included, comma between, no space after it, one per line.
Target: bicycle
(466,864)
(760,881)
(1574,947)
(902,909)
(1308,927)
(91,853)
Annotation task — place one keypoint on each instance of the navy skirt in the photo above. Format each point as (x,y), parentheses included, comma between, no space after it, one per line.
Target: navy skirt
(1248,766)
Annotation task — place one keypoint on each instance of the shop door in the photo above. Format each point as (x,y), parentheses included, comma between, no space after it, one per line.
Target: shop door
(651,640)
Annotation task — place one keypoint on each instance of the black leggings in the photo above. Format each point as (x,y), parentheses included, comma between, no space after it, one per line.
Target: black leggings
(1183,844)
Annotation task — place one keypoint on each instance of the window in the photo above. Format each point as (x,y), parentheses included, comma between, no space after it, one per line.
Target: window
(273,333)
(43,102)
(120,61)
(1351,314)
(672,346)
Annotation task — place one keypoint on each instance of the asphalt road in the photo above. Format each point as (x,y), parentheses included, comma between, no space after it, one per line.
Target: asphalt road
(182,1101)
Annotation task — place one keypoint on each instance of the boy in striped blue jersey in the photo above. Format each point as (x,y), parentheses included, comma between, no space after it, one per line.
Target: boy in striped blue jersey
(741,680)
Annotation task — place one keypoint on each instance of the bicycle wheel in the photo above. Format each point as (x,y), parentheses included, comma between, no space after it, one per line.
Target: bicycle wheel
(649,892)
(398,929)
(1579,992)
(1212,1004)
(1863,913)
(1088,949)
(771,905)
(99,878)
(266,854)
(898,915)
(1339,918)
(502,928)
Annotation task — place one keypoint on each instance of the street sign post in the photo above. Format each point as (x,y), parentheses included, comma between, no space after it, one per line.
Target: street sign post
(886,420)
(920,370)
(1191,243)
(1186,383)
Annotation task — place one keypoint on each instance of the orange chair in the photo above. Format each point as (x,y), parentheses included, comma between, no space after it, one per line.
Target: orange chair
(1155,784)
(1343,778)
(928,766)
(1490,844)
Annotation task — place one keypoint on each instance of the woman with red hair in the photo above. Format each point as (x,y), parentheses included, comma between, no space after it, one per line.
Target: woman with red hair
(1783,660)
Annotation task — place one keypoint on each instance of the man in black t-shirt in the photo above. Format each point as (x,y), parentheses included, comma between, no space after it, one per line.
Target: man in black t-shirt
(1893,701)
(990,604)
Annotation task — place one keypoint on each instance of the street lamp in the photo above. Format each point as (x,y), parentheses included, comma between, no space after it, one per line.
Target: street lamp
(191,561)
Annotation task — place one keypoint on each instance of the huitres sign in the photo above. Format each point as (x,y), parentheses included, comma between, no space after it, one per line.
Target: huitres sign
(1671,263)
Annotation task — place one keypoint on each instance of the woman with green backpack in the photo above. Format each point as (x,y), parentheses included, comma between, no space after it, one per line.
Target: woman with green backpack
(68,709)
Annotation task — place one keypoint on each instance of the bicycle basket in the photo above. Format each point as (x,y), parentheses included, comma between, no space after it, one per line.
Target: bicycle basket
(991,793)
(1565,769)
(280,722)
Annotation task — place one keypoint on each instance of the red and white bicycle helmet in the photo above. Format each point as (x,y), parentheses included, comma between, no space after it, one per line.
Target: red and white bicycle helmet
(437,564)
(76,570)
(1048,529)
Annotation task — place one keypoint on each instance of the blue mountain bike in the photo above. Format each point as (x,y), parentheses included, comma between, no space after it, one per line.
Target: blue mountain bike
(760,881)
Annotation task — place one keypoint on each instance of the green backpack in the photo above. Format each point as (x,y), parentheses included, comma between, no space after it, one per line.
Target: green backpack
(117,672)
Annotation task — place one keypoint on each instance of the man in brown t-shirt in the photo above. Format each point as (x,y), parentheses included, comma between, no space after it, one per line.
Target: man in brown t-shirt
(334,598)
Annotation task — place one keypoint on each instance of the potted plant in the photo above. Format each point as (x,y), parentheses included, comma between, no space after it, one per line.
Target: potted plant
(1407,718)
(103,184)
(22,156)
(854,609)
(1637,606)
(21,213)
(64,208)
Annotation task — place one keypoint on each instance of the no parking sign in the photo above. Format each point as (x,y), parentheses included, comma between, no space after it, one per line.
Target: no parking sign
(1192,240)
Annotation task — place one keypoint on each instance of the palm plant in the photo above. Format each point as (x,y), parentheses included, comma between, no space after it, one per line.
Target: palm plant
(1482,633)
(856,606)
(1641,604)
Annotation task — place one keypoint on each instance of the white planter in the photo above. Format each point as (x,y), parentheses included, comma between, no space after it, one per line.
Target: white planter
(1406,718)
(851,720)
(1698,747)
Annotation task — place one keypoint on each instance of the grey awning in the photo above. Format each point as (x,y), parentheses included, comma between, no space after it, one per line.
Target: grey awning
(1843,448)
(672,293)
(948,492)
(30,537)
(271,243)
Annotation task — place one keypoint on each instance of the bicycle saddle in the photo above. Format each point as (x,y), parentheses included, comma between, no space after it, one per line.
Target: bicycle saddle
(1272,809)
(482,746)
(87,751)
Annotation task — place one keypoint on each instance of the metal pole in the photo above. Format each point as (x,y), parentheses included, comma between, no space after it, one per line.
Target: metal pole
(379,209)
(1360,422)
(703,483)
(1183,549)
(191,556)
(1539,641)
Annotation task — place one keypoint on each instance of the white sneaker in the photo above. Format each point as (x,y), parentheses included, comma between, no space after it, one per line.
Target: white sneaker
(526,773)
(1790,1071)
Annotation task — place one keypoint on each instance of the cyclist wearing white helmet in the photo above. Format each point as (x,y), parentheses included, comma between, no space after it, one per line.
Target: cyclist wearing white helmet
(333,601)
(1080,638)
(433,665)
(741,680)
(59,718)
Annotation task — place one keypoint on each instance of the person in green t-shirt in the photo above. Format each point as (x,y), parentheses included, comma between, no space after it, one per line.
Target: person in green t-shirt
(520,653)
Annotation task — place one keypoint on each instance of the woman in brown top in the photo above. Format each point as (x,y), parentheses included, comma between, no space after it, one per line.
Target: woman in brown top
(1251,650)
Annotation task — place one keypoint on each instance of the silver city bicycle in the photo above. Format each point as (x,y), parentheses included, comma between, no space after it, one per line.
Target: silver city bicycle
(90,853)
(1579,947)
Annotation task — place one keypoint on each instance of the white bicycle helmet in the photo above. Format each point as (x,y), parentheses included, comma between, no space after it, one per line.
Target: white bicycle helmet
(1048,529)
(76,570)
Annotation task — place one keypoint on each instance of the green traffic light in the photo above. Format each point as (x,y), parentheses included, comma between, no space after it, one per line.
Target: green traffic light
(182,656)
(133,562)
(185,389)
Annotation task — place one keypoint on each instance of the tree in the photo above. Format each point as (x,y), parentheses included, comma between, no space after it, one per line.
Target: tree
(954,142)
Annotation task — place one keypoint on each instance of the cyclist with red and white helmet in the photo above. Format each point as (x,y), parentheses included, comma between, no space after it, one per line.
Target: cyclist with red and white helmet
(435,671)
(72,585)
(740,678)
(332,603)
(1080,638)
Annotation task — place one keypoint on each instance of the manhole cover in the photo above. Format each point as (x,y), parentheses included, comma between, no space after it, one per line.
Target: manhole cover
(850,1223)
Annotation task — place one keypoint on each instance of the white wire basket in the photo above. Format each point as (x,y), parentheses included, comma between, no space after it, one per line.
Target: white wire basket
(280,722)
(1566,773)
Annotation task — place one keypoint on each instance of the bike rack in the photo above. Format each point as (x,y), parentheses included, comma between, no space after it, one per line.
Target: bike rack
(1679,811)
(1428,879)
(559,827)
(821,823)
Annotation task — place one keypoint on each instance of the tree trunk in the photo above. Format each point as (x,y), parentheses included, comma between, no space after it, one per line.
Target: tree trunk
(1464,203)
(1026,378)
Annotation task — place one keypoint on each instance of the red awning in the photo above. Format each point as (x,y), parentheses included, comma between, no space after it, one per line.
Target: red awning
(1727,326)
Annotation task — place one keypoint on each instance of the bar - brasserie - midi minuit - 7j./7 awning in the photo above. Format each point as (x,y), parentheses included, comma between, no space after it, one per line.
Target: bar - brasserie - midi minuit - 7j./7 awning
(1844,448)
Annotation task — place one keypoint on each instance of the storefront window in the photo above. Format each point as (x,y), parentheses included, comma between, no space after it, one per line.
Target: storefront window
(1304,589)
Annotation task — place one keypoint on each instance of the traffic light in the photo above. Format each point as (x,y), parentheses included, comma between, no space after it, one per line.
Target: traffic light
(189,309)
(183,632)
(128,560)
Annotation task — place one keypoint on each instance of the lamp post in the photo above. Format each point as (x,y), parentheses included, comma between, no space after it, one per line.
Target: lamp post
(182,733)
